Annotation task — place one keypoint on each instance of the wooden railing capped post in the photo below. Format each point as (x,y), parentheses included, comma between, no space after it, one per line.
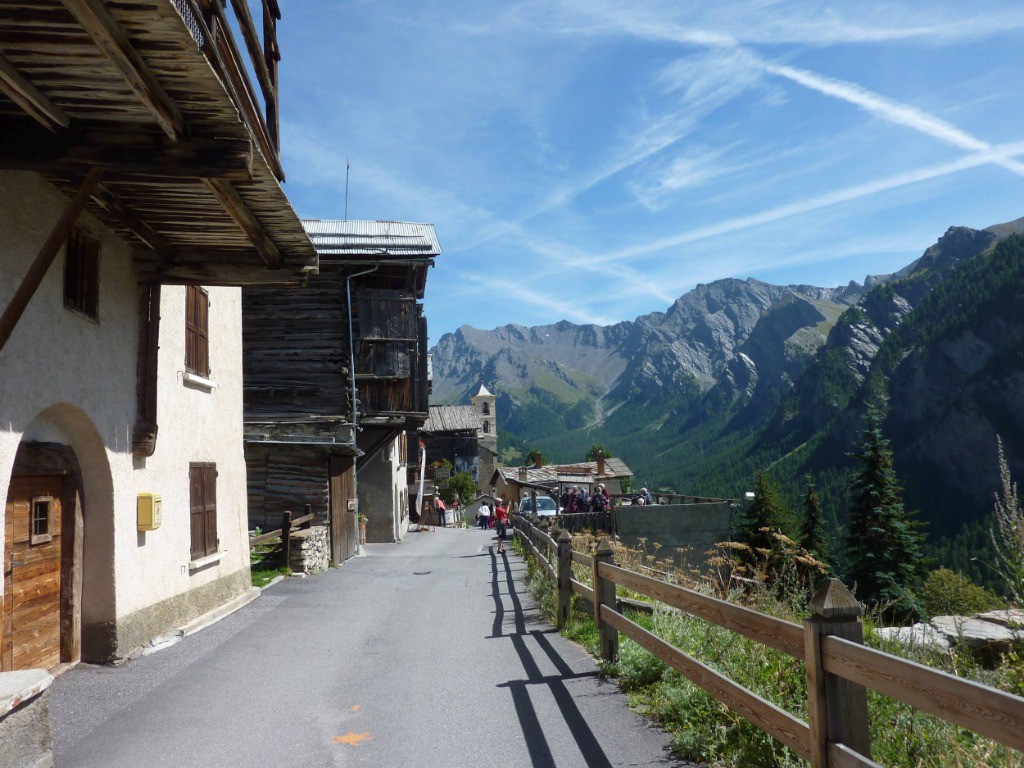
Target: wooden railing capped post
(286,534)
(604,594)
(564,571)
(837,708)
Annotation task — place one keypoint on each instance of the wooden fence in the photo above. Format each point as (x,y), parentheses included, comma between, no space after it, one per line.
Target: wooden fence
(830,643)
(284,533)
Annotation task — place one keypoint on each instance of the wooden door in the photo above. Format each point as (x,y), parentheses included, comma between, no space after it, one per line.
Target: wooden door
(30,620)
(343,543)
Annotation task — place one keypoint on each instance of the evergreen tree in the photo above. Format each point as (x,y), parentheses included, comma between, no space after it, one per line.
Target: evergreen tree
(812,527)
(764,516)
(883,541)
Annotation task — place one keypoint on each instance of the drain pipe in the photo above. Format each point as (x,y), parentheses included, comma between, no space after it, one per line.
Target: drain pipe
(355,408)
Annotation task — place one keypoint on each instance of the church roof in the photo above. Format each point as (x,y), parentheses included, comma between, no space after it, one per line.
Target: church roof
(483,392)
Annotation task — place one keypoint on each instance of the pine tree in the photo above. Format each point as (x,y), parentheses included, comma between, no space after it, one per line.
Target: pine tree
(883,541)
(812,527)
(764,516)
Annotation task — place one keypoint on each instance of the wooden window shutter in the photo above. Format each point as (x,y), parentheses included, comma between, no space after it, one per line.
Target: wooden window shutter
(210,507)
(197,500)
(203,509)
(82,273)
(197,331)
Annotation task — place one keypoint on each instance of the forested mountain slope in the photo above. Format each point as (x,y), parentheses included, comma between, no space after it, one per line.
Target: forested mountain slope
(738,376)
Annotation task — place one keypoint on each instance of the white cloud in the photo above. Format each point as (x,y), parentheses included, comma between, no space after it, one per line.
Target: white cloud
(892,111)
(828,199)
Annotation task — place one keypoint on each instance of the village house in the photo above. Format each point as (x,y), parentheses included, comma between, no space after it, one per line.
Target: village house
(464,436)
(355,335)
(516,482)
(139,189)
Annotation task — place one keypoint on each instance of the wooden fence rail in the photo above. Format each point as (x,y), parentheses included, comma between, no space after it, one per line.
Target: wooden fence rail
(284,533)
(830,642)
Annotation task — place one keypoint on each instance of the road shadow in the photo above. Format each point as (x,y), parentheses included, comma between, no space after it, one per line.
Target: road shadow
(522,637)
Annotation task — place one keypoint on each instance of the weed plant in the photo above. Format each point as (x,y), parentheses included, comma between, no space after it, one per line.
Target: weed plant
(705,730)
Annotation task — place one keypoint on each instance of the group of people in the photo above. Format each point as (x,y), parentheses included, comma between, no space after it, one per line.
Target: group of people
(578,500)
(498,520)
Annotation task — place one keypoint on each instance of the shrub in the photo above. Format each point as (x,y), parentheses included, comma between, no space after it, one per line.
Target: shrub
(947,593)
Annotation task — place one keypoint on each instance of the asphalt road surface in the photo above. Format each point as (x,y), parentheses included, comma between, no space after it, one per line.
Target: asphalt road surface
(421,654)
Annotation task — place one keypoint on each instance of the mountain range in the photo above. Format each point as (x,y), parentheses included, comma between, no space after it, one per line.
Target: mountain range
(740,375)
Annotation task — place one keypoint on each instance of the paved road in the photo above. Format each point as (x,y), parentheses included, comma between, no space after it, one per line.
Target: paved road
(425,653)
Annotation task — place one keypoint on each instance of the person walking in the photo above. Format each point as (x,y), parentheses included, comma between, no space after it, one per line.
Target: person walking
(485,515)
(501,518)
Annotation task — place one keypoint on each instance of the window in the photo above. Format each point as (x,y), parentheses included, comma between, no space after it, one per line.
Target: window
(487,427)
(487,409)
(41,520)
(82,273)
(197,331)
(202,480)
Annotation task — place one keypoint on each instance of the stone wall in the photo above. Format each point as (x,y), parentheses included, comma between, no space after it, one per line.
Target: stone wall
(693,528)
(310,550)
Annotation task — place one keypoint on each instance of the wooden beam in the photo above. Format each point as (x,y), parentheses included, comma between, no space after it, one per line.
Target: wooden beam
(192,269)
(131,221)
(237,209)
(112,40)
(126,153)
(252,43)
(38,269)
(30,99)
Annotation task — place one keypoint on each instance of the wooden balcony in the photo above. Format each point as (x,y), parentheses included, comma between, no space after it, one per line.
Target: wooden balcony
(153,98)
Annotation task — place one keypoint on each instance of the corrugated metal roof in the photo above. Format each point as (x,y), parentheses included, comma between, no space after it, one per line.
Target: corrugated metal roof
(372,238)
(451,418)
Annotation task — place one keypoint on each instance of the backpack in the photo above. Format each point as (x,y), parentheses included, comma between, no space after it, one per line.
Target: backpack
(598,502)
(582,502)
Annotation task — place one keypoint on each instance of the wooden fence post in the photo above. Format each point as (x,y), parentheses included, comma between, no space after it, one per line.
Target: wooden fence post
(604,594)
(286,535)
(564,572)
(837,708)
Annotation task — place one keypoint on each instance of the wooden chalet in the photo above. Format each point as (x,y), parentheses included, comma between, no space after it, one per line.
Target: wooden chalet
(355,333)
(140,186)
(452,433)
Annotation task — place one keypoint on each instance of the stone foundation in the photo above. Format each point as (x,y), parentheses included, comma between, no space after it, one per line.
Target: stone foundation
(137,629)
(310,550)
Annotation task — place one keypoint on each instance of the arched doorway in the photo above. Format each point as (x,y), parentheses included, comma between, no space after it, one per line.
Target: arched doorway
(51,565)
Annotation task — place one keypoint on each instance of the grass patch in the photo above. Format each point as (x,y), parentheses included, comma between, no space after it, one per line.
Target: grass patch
(265,564)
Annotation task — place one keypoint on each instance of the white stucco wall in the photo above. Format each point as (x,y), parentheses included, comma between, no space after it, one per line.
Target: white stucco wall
(383,494)
(70,379)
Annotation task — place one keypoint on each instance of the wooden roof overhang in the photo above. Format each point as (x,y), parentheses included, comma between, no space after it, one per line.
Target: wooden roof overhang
(154,93)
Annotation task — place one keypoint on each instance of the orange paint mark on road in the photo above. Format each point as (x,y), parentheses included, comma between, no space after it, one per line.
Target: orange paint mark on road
(357,707)
(352,739)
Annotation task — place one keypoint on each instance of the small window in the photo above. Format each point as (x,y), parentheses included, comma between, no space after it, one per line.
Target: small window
(202,480)
(197,331)
(82,273)
(487,427)
(41,520)
(487,409)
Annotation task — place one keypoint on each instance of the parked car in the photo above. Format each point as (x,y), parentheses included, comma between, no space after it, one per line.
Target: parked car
(546,506)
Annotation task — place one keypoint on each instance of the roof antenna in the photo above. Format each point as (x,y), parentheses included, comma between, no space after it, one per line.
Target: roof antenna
(347,166)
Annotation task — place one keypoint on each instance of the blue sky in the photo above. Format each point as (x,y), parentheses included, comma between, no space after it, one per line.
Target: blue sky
(593,160)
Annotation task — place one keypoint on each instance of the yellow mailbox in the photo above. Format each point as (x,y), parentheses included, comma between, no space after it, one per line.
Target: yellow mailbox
(149,511)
